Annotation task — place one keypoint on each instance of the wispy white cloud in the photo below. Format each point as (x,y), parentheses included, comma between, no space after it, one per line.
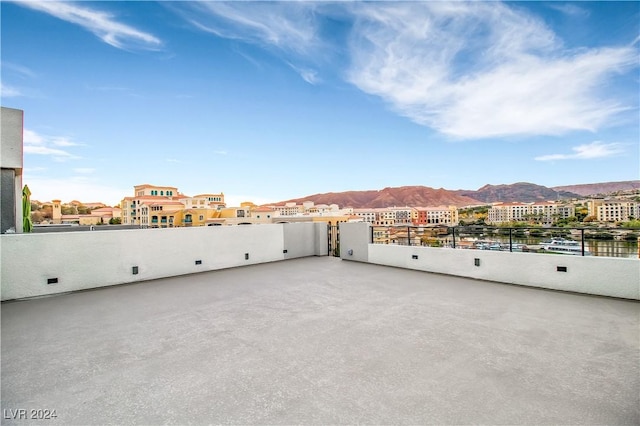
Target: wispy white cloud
(102,24)
(9,91)
(478,70)
(570,9)
(14,72)
(308,75)
(590,151)
(37,144)
(63,141)
(29,170)
(32,138)
(173,160)
(19,70)
(220,152)
(56,154)
(289,26)
(84,170)
(470,70)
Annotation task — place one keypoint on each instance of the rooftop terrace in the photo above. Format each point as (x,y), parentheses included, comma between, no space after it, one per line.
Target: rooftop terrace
(318,340)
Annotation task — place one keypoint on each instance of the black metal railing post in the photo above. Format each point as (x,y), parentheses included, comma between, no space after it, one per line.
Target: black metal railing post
(582,239)
(409,235)
(510,240)
(454,236)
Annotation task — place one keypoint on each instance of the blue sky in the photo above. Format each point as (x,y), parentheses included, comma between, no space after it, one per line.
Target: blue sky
(276,100)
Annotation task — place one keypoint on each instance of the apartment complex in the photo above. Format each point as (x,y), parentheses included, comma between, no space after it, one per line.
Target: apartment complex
(165,207)
(418,216)
(613,210)
(443,215)
(544,212)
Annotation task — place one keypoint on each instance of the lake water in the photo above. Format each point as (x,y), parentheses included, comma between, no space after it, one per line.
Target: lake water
(609,248)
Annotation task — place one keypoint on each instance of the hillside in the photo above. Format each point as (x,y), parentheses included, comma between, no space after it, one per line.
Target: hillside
(521,191)
(600,188)
(424,196)
(414,196)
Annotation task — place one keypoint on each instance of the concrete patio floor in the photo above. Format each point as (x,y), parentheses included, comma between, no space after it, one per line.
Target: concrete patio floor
(322,341)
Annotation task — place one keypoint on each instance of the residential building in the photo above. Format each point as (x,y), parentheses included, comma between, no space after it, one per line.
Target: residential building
(545,212)
(385,217)
(404,215)
(617,211)
(367,215)
(95,217)
(213,201)
(152,190)
(107,213)
(161,213)
(442,215)
(289,209)
(165,207)
(263,214)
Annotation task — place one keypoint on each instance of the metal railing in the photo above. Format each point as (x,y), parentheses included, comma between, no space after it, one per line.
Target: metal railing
(611,242)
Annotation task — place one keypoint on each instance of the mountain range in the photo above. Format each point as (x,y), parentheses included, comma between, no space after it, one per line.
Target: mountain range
(424,196)
(600,188)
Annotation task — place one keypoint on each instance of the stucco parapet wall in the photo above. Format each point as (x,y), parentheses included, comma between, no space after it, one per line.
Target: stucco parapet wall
(604,276)
(84,260)
(11,124)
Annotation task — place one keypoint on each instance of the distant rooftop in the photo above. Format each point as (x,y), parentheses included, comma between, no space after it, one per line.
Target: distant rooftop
(322,341)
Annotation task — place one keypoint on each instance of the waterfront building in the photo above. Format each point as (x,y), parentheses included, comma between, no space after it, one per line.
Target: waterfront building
(617,210)
(545,212)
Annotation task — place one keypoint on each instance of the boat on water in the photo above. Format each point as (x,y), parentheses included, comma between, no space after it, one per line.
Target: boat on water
(563,246)
(498,246)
